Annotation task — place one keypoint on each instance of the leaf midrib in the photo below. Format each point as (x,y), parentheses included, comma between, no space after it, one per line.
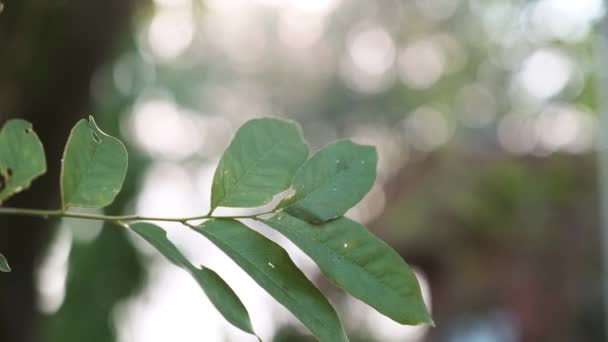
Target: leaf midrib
(352,262)
(330,180)
(253,165)
(83,174)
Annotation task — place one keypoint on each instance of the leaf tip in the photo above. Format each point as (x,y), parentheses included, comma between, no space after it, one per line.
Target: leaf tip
(427,317)
(4,266)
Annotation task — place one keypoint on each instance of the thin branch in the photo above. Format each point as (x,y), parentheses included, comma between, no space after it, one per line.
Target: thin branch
(113,218)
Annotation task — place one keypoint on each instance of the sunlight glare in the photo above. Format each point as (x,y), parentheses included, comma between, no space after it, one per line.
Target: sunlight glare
(372,50)
(52,273)
(170,32)
(426,129)
(545,73)
(160,128)
(421,64)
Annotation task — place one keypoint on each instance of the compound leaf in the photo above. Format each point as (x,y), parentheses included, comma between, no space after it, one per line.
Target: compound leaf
(259,163)
(21,157)
(4,267)
(94,167)
(216,289)
(270,266)
(333,180)
(354,259)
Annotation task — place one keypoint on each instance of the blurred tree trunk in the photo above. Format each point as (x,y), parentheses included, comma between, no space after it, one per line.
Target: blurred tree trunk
(49,51)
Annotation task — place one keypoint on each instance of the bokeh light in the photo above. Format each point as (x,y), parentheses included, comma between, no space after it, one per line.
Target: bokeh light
(486,121)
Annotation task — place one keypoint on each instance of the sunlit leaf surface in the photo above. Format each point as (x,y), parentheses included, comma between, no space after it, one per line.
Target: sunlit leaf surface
(333,180)
(94,167)
(259,163)
(354,259)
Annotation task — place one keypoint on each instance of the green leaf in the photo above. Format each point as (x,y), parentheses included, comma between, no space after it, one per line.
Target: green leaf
(224,298)
(21,157)
(4,267)
(259,163)
(94,167)
(354,259)
(219,293)
(270,266)
(333,181)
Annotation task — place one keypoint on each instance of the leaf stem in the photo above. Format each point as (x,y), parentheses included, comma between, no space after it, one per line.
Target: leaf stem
(191,226)
(113,218)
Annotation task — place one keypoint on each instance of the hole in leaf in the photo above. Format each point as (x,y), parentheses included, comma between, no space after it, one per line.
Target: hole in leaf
(4,177)
(96,137)
(28,130)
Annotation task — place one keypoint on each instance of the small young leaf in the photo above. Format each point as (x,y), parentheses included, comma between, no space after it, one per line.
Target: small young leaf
(259,163)
(270,266)
(94,167)
(332,181)
(354,259)
(216,289)
(21,157)
(4,267)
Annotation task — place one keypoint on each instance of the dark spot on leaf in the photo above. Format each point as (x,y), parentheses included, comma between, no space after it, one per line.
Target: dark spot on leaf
(28,130)
(2,183)
(9,172)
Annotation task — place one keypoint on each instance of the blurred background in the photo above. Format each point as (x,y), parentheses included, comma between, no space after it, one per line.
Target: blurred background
(485,113)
